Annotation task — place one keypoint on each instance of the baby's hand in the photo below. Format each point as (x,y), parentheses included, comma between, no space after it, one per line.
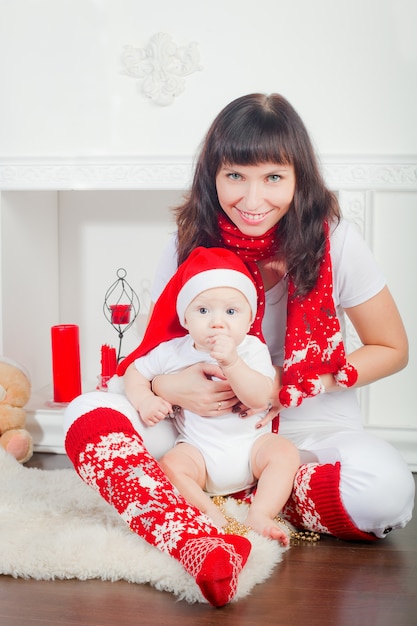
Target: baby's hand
(224,350)
(153,409)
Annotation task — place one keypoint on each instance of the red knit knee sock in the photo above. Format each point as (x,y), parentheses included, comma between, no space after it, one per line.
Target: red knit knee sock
(109,455)
(315,503)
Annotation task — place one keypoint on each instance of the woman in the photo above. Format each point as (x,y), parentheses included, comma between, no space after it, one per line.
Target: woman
(257,189)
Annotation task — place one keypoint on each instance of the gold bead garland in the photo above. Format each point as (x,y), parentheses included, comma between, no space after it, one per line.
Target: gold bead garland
(299,535)
(234,527)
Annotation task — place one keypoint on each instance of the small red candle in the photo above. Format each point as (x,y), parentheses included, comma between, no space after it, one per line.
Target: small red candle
(120,313)
(66,367)
(108,365)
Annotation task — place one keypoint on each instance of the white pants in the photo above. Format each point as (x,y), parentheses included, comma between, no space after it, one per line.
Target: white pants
(377,488)
(376,485)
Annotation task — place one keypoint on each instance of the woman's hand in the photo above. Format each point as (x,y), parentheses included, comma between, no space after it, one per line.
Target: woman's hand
(273,411)
(200,388)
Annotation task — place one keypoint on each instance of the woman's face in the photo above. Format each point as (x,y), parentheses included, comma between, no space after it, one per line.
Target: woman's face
(255,197)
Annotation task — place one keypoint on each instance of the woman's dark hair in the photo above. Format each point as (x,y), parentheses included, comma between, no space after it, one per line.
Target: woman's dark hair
(256,129)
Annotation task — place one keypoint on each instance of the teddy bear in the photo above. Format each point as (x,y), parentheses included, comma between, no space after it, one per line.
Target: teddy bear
(15,390)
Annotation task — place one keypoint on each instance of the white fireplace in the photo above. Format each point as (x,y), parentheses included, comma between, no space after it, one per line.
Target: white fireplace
(68,225)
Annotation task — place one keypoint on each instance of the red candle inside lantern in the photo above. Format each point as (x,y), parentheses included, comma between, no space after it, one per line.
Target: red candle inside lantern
(66,367)
(120,313)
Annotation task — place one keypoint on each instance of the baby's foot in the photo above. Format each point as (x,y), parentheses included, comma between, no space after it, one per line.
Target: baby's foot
(267,527)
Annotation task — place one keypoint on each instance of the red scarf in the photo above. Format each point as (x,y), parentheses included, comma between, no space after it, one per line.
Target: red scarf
(250,250)
(313,340)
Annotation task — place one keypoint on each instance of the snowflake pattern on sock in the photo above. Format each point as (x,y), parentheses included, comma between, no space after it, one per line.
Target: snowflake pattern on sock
(301,509)
(109,455)
(138,490)
(194,557)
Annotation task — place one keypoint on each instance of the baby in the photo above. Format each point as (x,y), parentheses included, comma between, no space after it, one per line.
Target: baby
(213,300)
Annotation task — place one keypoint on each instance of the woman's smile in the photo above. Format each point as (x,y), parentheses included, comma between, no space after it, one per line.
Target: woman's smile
(252,218)
(255,197)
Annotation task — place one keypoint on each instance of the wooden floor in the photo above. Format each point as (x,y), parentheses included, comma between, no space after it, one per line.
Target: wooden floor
(331,583)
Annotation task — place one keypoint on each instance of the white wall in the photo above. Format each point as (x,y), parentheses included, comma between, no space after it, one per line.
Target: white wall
(89,167)
(348,66)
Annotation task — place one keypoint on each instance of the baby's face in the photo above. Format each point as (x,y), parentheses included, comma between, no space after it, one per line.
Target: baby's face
(221,310)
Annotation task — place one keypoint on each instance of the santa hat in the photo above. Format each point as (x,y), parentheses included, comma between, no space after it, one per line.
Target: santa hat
(211,278)
(205,268)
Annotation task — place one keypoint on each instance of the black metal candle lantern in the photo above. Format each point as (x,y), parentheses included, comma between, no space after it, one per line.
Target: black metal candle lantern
(125,306)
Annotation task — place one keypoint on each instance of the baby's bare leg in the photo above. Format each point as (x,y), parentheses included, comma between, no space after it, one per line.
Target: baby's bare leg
(184,465)
(275,461)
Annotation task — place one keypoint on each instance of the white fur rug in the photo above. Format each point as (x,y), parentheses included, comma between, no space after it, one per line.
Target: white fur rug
(53,526)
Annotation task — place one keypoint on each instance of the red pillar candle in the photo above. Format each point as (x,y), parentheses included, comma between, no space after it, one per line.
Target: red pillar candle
(66,362)
(120,313)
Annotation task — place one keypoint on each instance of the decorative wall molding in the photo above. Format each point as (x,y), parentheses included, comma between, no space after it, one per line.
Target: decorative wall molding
(95,173)
(357,173)
(161,65)
(371,172)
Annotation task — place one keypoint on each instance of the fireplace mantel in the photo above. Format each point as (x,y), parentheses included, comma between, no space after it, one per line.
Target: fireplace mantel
(174,172)
(56,204)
